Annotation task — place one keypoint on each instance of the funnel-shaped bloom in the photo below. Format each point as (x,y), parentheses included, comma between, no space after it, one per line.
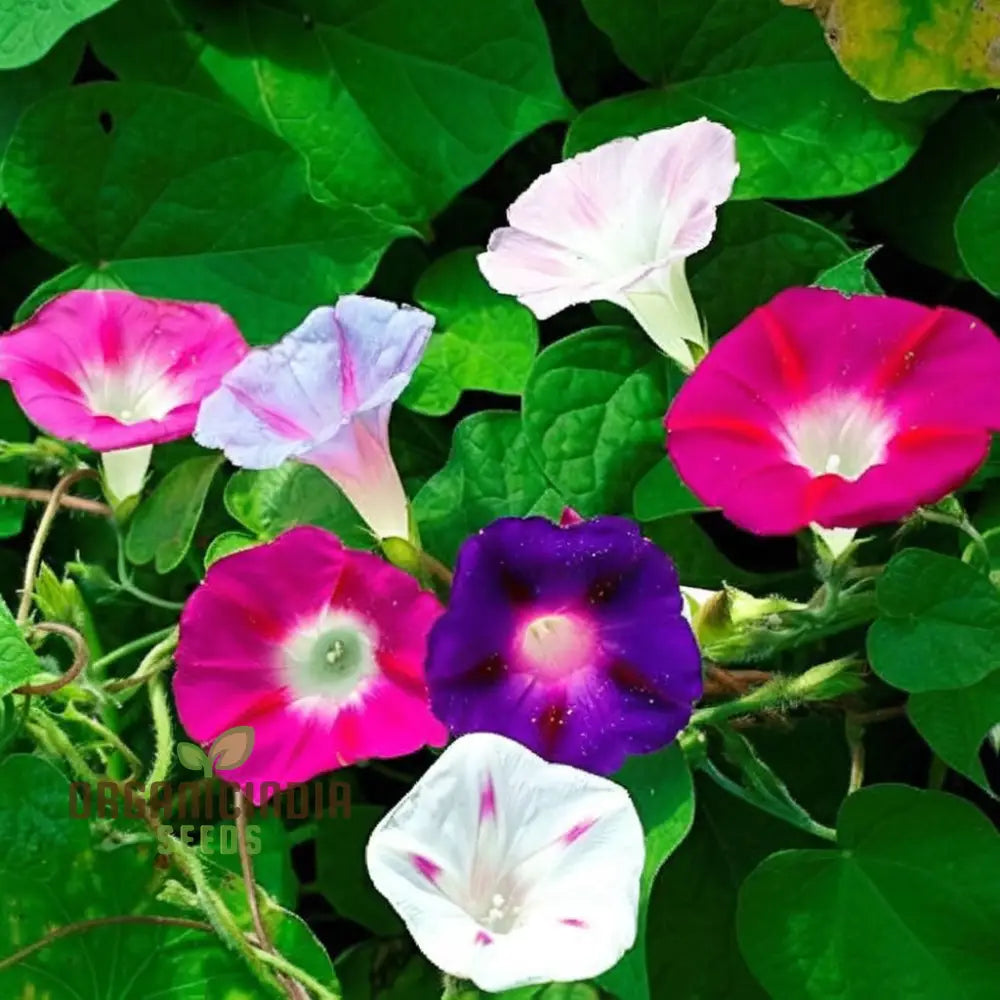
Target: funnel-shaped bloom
(323,395)
(836,412)
(318,648)
(511,871)
(119,373)
(617,224)
(570,640)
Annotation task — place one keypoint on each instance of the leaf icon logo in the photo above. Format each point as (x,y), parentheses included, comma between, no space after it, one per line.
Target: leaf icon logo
(232,748)
(193,757)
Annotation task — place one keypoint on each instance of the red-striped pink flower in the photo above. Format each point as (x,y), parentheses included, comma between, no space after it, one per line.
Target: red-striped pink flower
(836,412)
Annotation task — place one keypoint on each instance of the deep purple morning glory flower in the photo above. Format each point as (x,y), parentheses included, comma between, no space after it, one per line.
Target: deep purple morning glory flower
(568,639)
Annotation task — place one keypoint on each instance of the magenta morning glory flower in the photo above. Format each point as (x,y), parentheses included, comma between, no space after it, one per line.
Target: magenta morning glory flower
(617,224)
(509,870)
(836,412)
(320,649)
(570,640)
(323,395)
(119,373)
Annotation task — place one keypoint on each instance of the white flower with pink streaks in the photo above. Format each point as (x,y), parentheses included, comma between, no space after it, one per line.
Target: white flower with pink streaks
(617,224)
(509,870)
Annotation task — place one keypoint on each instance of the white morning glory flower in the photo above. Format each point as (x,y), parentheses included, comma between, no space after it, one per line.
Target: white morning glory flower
(509,870)
(617,224)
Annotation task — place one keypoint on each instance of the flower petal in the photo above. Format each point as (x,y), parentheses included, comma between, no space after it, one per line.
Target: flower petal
(567,845)
(114,370)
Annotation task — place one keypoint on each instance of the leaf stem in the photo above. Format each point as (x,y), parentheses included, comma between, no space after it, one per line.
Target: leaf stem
(143,642)
(125,583)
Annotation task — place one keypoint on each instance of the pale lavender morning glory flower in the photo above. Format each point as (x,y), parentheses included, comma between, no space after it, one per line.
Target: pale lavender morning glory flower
(322,395)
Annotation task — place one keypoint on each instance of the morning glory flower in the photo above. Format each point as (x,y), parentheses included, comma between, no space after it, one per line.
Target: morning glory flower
(569,639)
(118,373)
(318,648)
(510,871)
(836,412)
(617,224)
(323,395)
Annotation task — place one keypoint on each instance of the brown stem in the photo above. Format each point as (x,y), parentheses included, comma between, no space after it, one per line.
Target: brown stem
(436,568)
(80,658)
(719,681)
(44,496)
(41,534)
(879,715)
(291,988)
(86,925)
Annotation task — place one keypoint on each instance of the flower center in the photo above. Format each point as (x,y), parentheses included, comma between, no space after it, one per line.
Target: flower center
(502,913)
(555,645)
(329,658)
(839,435)
(130,396)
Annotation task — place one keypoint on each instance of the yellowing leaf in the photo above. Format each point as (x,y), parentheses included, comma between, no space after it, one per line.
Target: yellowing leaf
(899,48)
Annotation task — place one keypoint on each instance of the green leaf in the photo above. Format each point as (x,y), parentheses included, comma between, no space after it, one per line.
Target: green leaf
(395,106)
(593,415)
(482,340)
(758,784)
(273,500)
(342,876)
(490,473)
(970,133)
(955,723)
(37,833)
(56,873)
(693,906)
(851,276)
(899,48)
(23,87)
(803,129)
(907,906)
(29,29)
(757,251)
(699,563)
(163,526)
(663,42)
(419,446)
(938,626)
(661,789)
(660,493)
(18,662)
(14,428)
(976,229)
(226,544)
(222,213)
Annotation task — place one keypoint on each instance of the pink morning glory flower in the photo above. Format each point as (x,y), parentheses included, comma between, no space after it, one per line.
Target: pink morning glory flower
(836,412)
(118,373)
(320,649)
(570,639)
(617,224)
(511,871)
(323,395)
